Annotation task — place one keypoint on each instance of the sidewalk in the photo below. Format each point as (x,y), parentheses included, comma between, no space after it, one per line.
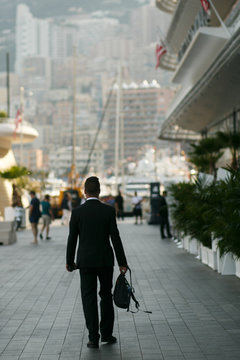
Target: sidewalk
(196,312)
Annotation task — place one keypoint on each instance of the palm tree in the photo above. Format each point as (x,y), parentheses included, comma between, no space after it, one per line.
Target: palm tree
(3,115)
(232,142)
(206,154)
(12,174)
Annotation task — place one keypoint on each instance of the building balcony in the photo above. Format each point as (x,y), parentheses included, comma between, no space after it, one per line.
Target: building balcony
(204,48)
(169,61)
(168,6)
(201,20)
(186,14)
(25,133)
(216,93)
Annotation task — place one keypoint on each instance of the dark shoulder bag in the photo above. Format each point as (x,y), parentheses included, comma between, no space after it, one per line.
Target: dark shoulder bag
(124,292)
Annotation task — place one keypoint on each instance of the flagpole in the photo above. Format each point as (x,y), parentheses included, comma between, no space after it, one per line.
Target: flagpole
(73,171)
(22,118)
(168,46)
(8,85)
(220,19)
(117,124)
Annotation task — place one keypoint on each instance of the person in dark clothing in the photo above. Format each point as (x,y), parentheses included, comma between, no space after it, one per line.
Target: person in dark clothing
(47,216)
(66,207)
(119,206)
(34,215)
(92,224)
(163,213)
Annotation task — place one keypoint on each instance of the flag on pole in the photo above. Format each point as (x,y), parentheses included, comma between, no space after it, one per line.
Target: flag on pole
(18,120)
(205,5)
(160,51)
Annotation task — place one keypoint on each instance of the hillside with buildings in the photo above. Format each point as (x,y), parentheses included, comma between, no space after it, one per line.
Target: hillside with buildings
(45,63)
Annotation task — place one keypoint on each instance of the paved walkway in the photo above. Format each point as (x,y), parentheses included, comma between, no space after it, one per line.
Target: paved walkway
(196,312)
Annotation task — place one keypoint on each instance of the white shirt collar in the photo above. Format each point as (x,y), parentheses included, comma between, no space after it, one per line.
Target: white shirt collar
(92,198)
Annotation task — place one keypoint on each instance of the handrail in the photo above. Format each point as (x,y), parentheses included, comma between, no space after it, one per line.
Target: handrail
(201,20)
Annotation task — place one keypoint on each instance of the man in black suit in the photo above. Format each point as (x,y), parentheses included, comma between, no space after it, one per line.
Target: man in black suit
(163,212)
(94,222)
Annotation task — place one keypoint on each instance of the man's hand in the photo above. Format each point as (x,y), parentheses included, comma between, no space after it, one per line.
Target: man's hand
(123,269)
(70,268)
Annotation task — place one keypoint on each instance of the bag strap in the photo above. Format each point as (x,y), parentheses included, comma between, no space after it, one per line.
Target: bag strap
(137,305)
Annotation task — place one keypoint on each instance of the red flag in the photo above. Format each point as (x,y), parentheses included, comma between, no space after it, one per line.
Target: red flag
(205,5)
(18,120)
(160,51)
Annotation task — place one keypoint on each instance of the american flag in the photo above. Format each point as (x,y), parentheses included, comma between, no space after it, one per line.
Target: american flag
(205,5)
(18,120)
(160,51)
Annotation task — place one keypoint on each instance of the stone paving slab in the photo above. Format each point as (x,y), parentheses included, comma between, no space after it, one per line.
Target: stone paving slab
(196,312)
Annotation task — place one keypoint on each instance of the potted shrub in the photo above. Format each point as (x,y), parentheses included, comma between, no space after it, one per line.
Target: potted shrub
(225,215)
(189,211)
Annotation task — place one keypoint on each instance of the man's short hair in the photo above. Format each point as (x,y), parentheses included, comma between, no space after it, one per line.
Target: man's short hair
(92,186)
(47,197)
(32,193)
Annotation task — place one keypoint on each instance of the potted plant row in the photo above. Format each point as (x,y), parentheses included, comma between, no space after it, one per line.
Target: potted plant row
(208,214)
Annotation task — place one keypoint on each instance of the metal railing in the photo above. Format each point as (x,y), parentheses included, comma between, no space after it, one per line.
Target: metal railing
(201,20)
(233,19)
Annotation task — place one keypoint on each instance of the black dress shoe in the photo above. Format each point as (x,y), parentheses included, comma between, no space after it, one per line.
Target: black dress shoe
(92,345)
(110,339)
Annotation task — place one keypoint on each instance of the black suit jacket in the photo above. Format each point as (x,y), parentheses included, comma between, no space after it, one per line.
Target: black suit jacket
(163,207)
(94,222)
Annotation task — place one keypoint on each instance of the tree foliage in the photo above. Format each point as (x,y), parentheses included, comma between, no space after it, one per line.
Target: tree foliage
(206,154)
(19,176)
(189,211)
(3,115)
(232,142)
(15,172)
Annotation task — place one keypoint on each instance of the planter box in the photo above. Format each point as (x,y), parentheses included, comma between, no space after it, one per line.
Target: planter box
(219,262)
(7,232)
(237,264)
(204,254)
(193,246)
(9,213)
(214,245)
(226,264)
(180,244)
(212,259)
(186,242)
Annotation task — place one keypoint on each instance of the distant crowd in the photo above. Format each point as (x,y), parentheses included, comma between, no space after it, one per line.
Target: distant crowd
(43,209)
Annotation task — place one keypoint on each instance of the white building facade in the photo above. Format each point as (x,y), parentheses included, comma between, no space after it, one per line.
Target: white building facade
(206,68)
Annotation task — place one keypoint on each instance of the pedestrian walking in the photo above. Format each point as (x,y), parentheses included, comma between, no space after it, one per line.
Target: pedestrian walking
(163,213)
(94,223)
(119,202)
(47,216)
(34,215)
(137,207)
(66,208)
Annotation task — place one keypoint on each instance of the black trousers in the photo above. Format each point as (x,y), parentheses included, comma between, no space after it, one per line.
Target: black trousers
(120,213)
(89,277)
(164,223)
